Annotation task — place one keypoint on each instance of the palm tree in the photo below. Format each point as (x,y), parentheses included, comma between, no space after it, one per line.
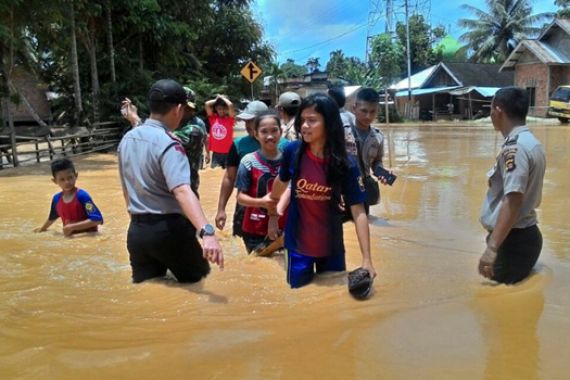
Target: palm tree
(276,73)
(313,64)
(494,34)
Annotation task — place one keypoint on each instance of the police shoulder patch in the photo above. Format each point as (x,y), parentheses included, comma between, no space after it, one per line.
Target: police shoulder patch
(509,156)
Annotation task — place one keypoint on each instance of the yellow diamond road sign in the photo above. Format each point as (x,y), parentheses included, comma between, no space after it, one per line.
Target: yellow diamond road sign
(250,71)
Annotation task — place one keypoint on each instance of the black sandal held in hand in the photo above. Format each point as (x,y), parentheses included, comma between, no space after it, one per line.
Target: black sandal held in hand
(360,283)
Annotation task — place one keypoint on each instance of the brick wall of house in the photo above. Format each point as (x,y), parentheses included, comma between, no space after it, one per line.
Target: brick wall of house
(534,76)
(559,75)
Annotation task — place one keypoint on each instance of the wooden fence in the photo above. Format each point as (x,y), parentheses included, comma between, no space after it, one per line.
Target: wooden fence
(100,137)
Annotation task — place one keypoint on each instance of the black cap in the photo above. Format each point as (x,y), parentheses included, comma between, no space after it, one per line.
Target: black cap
(167,91)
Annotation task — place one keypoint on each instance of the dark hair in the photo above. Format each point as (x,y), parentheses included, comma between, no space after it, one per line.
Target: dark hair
(513,101)
(160,108)
(220,102)
(335,149)
(265,115)
(290,111)
(368,95)
(61,165)
(337,93)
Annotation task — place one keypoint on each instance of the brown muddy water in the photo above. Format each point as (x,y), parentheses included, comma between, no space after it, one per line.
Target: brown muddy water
(68,309)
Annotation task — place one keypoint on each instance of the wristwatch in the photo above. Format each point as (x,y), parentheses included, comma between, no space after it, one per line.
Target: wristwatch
(207,230)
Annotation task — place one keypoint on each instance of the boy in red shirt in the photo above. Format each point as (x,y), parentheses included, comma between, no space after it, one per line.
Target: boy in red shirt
(74,206)
(221,114)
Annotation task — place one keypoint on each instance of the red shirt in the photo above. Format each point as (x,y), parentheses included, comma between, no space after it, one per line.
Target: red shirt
(80,208)
(221,133)
(313,195)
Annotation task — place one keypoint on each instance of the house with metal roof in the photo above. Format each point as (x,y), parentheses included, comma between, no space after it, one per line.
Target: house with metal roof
(450,90)
(541,65)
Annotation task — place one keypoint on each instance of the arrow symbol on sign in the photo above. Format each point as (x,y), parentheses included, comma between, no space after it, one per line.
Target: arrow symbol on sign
(252,70)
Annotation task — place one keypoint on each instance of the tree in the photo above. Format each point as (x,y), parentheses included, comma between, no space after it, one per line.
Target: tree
(91,13)
(422,40)
(337,64)
(110,45)
(385,56)
(564,6)
(292,70)
(313,64)
(493,34)
(75,64)
(276,73)
(64,42)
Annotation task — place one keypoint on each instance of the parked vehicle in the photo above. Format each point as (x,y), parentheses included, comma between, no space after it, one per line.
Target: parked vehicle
(559,105)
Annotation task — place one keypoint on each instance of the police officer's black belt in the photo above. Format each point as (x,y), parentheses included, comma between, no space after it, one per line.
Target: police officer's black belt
(145,218)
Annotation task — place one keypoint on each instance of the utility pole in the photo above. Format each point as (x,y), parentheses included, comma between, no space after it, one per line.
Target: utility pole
(373,16)
(409,59)
(389,17)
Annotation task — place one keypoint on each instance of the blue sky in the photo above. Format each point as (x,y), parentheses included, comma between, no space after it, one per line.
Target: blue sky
(300,29)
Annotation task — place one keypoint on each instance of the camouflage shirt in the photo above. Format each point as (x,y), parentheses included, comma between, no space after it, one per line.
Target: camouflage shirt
(193,137)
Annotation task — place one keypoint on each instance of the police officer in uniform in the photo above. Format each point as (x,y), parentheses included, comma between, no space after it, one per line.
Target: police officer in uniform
(515,190)
(165,212)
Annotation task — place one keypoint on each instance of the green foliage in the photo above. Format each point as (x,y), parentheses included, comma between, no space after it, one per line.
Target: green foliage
(350,69)
(292,70)
(422,40)
(564,6)
(494,33)
(313,64)
(359,73)
(386,56)
(203,43)
(337,64)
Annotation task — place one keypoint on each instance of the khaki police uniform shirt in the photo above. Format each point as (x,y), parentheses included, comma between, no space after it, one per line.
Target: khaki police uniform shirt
(152,163)
(519,168)
(372,149)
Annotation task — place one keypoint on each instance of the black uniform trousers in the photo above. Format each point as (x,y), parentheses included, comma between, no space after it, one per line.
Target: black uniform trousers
(157,242)
(517,255)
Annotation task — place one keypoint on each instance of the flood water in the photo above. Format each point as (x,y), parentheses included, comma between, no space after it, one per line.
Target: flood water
(68,309)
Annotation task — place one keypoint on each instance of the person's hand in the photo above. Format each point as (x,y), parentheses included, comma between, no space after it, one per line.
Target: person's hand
(273,231)
(221,218)
(383,180)
(486,263)
(67,230)
(207,159)
(130,112)
(269,204)
(367,264)
(212,251)
(282,207)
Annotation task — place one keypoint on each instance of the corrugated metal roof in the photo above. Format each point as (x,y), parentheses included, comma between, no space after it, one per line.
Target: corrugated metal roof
(424,91)
(563,23)
(542,51)
(416,79)
(486,92)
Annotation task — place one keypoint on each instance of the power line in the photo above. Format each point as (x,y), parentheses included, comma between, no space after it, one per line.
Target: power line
(355,28)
